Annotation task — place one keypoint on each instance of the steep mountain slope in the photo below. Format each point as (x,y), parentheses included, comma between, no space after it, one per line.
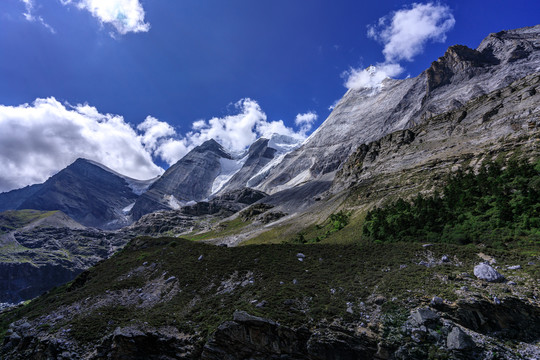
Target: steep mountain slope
(368,114)
(261,158)
(13,199)
(86,191)
(496,126)
(259,154)
(190,179)
(40,250)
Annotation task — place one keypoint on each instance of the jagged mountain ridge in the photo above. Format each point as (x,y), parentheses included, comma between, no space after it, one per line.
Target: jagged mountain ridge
(208,171)
(368,114)
(190,179)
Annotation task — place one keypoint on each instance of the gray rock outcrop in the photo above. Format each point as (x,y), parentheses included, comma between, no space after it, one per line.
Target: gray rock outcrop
(458,340)
(190,179)
(486,272)
(459,76)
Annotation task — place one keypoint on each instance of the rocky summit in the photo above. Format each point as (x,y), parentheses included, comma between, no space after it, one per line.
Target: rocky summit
(407,226)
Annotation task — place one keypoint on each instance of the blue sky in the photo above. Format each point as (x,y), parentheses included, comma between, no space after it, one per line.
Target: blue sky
(101,72)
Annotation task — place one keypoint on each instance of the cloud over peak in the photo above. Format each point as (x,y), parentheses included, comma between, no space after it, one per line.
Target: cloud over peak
(235,131)
(404,33)
(39,139)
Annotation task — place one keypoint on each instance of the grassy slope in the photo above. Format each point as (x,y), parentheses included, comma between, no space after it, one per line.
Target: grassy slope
(14,219)
(320,286)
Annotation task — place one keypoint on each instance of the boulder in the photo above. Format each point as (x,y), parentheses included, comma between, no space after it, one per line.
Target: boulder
(486,272)
(424,315)
(458,340)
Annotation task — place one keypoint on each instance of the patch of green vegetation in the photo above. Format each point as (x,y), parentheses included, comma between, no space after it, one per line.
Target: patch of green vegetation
(498,207)
(275,235)
(393,317)
(224,228)
(216,281)
(317,233)
(14,219)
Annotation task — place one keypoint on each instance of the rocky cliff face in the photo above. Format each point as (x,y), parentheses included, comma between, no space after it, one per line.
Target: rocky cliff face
(366,115)
(48,251)
(497,125)
(190,179)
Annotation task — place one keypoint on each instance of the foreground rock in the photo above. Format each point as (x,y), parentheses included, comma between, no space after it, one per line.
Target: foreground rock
(486,272)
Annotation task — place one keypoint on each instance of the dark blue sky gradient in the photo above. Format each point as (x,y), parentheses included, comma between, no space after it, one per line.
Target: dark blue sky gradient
(201,55)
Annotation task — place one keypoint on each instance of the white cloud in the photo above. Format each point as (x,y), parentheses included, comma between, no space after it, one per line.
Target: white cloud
(371,77)
(154,130)
(235,132)
(29,15)
(40,139)
(409,30)
(125,15)
(305,121)
(404,34)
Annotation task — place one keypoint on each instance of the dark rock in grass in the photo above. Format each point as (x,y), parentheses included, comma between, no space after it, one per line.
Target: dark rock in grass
(458,340)
(424,315)
(253,337)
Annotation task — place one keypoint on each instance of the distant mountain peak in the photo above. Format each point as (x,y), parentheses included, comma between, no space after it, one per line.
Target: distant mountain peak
(213,146)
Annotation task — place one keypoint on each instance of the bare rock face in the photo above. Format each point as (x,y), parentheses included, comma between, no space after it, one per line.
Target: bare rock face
(86,191)
(417,159)
(486,272)
(458,340)
(253,337)
(368,114)
(259,155)
(458,61)
(48,252)
(190,179)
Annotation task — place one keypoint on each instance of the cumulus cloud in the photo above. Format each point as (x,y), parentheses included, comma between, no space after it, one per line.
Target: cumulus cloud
(40,139)
(235,132)
(153,131)
(124,15)
(404,34)
(371,77)
(305,121)
(30,15)
(406,31)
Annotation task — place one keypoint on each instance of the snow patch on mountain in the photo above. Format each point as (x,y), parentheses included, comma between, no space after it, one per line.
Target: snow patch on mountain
(173,202)
(229,167)
(283,145)
(128,208)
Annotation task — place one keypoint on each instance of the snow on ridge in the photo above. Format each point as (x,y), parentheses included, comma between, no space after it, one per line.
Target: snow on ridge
(140,186)
(128,208)
(173,202)
(229,167)
(283,145)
